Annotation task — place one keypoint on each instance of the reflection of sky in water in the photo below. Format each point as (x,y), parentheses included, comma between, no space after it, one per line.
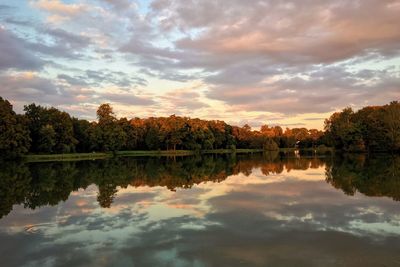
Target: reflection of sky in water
(291,218)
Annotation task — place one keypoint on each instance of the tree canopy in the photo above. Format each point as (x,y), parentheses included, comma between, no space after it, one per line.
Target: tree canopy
(49,130)
(369,129)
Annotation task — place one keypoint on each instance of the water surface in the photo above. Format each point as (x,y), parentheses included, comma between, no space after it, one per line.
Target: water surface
(244,210)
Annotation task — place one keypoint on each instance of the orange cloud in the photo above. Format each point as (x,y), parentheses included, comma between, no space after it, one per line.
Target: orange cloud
(56,6)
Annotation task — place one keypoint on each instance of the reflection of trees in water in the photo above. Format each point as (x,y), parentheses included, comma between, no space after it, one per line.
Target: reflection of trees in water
(372,176)
(40,184)
(15,180)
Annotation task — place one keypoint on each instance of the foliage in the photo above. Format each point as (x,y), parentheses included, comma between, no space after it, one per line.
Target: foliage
(14,134)
(54,123)
(270,145)
(50,130)
(369,129)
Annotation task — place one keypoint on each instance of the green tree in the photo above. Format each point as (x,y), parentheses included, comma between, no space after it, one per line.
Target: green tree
(61,122)
(174,130)
(152,138)
(391,121)
(82,134)
(347,134)
(47,139)
(105,114)
(14,135)
(109,134)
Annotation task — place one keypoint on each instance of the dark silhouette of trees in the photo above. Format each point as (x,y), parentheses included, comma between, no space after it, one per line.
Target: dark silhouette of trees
(14,133)
(108,133)
(82,133)
(391,124)
(49,130)
(369,129)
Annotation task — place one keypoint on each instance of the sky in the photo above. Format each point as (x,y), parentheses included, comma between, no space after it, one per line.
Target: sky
(275,62)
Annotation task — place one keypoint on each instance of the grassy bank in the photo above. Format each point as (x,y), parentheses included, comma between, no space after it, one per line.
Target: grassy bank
(135,153)
(66,157)
(152,153)
(93,156)
(144,153)
(229,151)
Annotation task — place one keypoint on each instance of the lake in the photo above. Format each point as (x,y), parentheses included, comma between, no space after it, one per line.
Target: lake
(228,210)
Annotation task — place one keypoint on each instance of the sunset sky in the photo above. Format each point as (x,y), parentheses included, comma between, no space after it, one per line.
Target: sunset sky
(288,63)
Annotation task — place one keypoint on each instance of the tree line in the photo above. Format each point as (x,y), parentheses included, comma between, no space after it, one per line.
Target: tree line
(47,130)
(370,129)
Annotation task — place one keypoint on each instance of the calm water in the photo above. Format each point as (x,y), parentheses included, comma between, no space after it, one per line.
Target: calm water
(259,210)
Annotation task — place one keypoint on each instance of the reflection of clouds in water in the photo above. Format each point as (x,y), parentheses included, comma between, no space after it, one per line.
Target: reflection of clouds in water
(314,203)
(283,219)
(248,238)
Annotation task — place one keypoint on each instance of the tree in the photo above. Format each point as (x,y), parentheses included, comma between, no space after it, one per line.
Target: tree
(174,130)
(153,139)
(109,134)
(288,140)
(82,130)
(345,132)
(105,114)
(270,145)
(49,130)
(47,139)
(61,122)
(14,135)
(391,122)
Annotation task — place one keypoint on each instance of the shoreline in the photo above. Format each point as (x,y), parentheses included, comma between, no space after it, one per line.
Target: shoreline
(147,153)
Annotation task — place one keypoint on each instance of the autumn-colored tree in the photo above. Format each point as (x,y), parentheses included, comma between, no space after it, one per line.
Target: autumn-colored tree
(374,128)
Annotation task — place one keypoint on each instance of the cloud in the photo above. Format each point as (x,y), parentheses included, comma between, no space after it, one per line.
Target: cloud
(127,98)
(14,53)
(58,7)
(285,32)
(62,44)
(5,7)
(78,81)
(180,100)
(253,57)
(29,87)
(319,90)
(118,78)
(74,41)
(120,4)
(24,23)
(314,119)
(274,56)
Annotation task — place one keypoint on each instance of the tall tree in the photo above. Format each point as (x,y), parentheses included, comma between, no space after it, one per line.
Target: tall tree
(109,134)
(82,130)
(391,121)
(47,139)
(61,122)
(14,134)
